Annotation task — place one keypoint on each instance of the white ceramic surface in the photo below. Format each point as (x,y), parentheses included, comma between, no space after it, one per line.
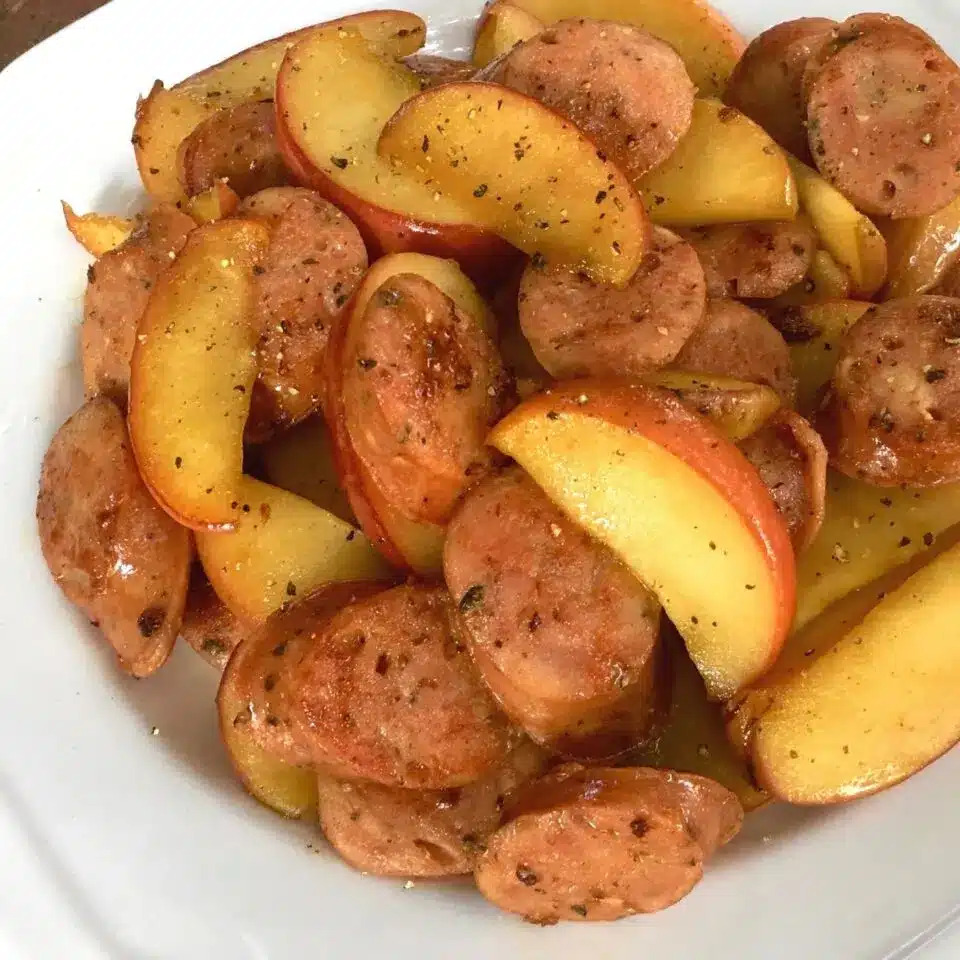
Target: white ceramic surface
(118,844)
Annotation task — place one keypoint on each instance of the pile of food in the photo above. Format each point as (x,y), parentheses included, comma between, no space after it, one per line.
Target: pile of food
(555,452)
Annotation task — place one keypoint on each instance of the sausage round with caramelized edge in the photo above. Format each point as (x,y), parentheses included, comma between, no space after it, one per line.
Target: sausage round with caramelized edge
(393,832)
(117,294)
(767,82)
(239,145)
(579,328)
(422,385)
(111,549)
(883,117)
(735,341)
(600,843)
(564,635)
(315,262)
(891,413)
(791,459)
(759,260)
(624,88)
(382,690)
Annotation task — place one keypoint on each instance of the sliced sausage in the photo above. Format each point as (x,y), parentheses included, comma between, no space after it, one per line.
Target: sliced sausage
(423,383)
(883,118)
(562,632)
(239,145)
(754,259)
(117,293)
(791,459)
(735,341)
(270,204)
(766,84)
(383,690)
(626,89)
(433,71)
(112,551)
(603,843)
(393,832)
(315,261)
(892,412)
(208,626)
(579,328)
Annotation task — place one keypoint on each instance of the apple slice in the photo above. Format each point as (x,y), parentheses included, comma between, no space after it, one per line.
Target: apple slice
(725,170)
(165,118)
(736,407)
(851,238)
(408,544)
(709,45)
(330,143)
(920,250)
(880,707)
(825,281)
(813,333)
(286,548)
(95,232)
(678,503)
(524,172)
(193,367)
(501,27)
(216,203)
(867,531)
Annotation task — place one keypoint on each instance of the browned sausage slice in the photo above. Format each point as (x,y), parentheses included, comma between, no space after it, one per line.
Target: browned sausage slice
(112,551)
(239,145)
(735,341)
(563,634)
(791,459)
(892,413)
(578,328)
(423,383)
(208,626)
(753,259)
(883,119)
(382,690)
(117,293)
(433,71)
(626,89)
(604,843)
(315,261)
(395,832)
(766,83)
(269,205)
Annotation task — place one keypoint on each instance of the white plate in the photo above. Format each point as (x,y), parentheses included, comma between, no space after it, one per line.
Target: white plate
(115,843)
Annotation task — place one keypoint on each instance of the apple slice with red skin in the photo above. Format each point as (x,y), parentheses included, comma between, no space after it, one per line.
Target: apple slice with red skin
(681,506)
(408,544)
(329,142)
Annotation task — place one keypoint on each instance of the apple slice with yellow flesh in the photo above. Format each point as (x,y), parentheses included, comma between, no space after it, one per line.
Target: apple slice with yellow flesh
(215,203)
(522,171)
(852,239)
(409,544)
(166,117)
(97,233)
(726,169)
(867,531)
(678,503)
(193,367)
(738,408)
(876,706)
(285,548)
(708,43)
(920,250)
(501,27)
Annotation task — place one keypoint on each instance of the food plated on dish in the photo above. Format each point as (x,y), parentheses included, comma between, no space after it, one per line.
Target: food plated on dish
(476,425)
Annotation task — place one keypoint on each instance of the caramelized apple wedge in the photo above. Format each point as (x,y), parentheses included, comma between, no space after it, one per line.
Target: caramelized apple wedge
(193,367)
(166,117)
(725,170)
(920,251)
(501,27)
(97,233)
(678,503)
(218,202)
(524,172)
(285,548)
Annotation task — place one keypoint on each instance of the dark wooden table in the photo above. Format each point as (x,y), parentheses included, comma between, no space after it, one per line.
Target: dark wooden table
(24,23)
